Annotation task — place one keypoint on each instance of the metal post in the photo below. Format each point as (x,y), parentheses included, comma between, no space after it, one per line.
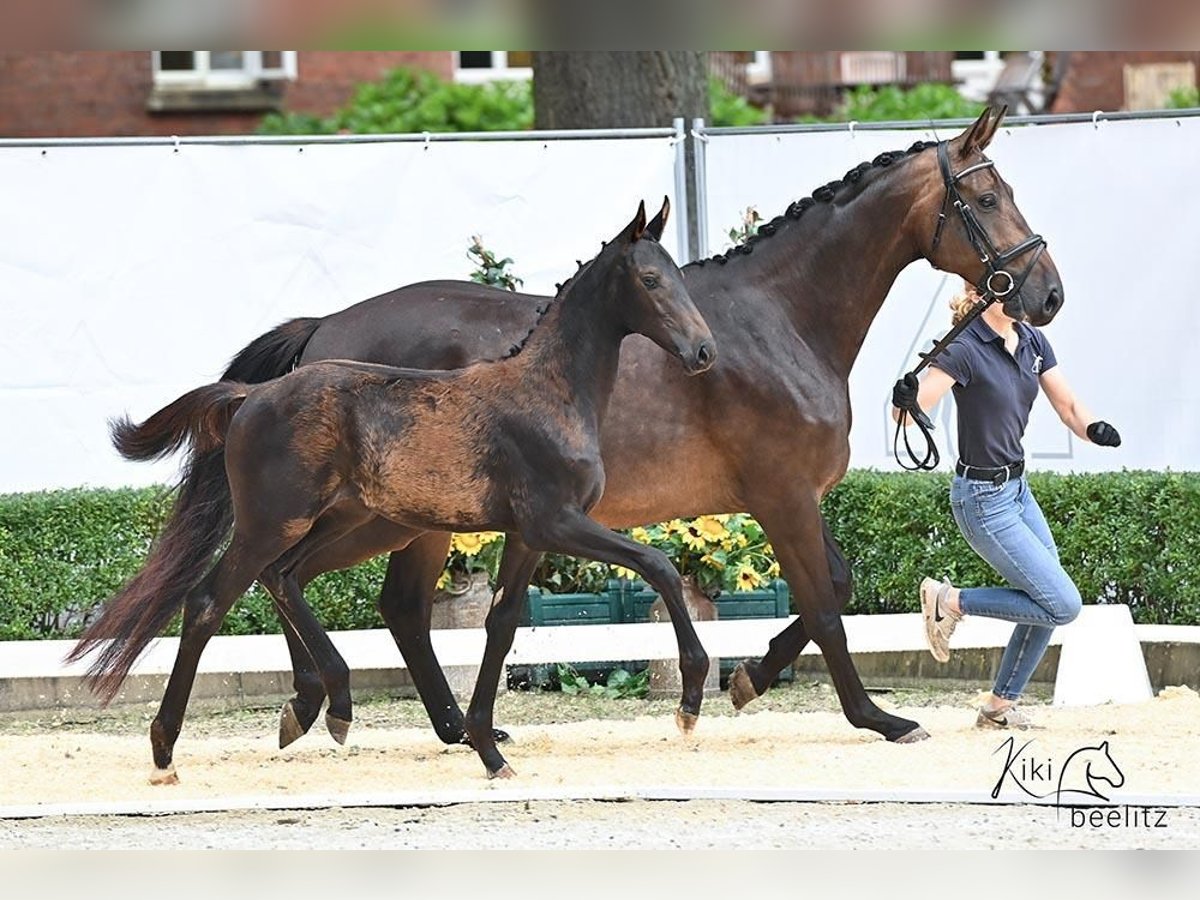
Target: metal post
(699,185)
(682,214)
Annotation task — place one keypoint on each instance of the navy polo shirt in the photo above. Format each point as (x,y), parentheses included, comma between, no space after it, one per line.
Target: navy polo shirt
(994,390)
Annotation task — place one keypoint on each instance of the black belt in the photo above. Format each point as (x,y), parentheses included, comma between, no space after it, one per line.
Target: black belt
(997,475)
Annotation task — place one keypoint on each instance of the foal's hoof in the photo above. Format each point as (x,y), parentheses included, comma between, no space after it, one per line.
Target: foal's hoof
(338,728)
(685,721)
(290,728)
(164,776)
(911,737)
(741,688)
(505,771)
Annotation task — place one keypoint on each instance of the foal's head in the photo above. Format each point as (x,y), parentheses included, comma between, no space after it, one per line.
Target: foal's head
(983,237)
(652,298)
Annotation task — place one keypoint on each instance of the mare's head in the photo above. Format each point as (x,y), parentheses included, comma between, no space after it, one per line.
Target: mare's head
(651,298)
(969,224)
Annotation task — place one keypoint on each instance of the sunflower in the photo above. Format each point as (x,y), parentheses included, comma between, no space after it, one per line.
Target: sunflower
(711,528)
(747,579)
(641,535)
(471,544)
(628,574)
(693,537)
(709,560)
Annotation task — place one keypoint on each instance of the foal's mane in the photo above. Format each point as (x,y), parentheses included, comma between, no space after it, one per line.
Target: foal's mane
(546,305)
(824,194)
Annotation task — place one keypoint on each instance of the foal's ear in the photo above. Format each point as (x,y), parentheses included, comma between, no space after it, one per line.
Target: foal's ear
(638,226)
(979,135)
(656,225)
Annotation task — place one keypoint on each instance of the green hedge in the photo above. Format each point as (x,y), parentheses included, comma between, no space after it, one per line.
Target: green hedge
(1131,537)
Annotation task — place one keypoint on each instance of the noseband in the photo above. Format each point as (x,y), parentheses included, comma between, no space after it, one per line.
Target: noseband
(997,283)
(994,261)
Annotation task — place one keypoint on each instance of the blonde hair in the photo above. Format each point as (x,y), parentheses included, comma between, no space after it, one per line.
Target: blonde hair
(961,303)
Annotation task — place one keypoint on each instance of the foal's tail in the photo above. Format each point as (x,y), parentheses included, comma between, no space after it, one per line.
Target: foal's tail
(181,554)
(202,515)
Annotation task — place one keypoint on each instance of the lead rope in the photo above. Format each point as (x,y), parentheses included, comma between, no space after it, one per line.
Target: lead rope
(932,457)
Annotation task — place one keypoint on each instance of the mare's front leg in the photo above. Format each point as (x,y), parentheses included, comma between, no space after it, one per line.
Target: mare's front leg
(405,603)
(516,568)
(793,525)
(752,678)
(572,533)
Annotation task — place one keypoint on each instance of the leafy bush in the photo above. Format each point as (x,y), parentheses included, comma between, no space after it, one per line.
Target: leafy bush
(725,108)
(1128,537)
(894,104)
(1184,98)
(407,101)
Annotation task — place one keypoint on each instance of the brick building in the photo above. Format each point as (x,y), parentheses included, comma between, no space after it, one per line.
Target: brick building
(1089,80)
(99,93)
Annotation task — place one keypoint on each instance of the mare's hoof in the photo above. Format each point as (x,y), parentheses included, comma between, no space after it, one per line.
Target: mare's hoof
(164,776)
(685,721)
(741,688)
(338,728)
(911,737)
(505,771)
(290,728)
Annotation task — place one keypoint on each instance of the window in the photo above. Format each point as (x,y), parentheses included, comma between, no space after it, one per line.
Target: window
(758,67)
(872,66)
(976,72)
(492,65)
(221,69)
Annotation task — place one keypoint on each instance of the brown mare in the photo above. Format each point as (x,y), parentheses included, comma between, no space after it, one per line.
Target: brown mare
(790,309)
(512,445)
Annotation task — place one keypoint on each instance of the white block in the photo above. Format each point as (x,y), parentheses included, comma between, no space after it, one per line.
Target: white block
(1101,660)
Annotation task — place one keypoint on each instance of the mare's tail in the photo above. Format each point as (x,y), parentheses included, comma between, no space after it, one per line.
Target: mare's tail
(202,514)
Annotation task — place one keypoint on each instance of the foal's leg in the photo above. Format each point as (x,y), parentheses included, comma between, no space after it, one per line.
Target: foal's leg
(204,609)
(333,674)
(572,533)
(752,678)
(516,568)
(792,523)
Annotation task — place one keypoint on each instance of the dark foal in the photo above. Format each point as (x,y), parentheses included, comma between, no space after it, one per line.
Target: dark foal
(790,309)
(511,446)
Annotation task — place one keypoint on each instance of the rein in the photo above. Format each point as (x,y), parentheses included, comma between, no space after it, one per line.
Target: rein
(988,289)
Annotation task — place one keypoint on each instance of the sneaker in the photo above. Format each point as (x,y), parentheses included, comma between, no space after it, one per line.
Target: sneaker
(1010,717)
(939,621)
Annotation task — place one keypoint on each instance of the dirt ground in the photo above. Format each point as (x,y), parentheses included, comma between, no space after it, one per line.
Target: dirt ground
(794,738)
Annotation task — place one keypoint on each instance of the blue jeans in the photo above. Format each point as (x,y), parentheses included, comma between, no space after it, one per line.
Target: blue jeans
(1006,527)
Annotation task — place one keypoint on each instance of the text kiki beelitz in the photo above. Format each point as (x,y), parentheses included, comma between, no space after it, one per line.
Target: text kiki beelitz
(1081,784)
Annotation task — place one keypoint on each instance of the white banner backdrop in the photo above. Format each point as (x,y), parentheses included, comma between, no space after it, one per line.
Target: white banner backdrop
(130,274)
(1116,202)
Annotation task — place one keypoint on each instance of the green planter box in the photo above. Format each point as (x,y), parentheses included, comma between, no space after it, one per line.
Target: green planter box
(630,601)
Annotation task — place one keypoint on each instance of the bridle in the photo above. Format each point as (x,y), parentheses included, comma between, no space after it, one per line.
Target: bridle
(997,282)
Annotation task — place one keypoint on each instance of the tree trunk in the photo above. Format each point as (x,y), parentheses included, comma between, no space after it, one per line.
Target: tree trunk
(618,88)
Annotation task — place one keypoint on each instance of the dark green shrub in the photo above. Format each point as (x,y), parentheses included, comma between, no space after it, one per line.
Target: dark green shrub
(1127,537)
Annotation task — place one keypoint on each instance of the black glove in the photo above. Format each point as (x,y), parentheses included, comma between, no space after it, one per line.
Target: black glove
(904,394)
(1103,434)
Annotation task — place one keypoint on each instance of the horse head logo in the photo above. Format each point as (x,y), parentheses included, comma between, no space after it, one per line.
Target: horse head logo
(1083,771)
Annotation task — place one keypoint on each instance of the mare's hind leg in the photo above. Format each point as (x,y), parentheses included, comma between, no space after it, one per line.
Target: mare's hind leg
(751,678)
(793,525)
(405,603)
(516,568)
(573,533)
(204,609)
